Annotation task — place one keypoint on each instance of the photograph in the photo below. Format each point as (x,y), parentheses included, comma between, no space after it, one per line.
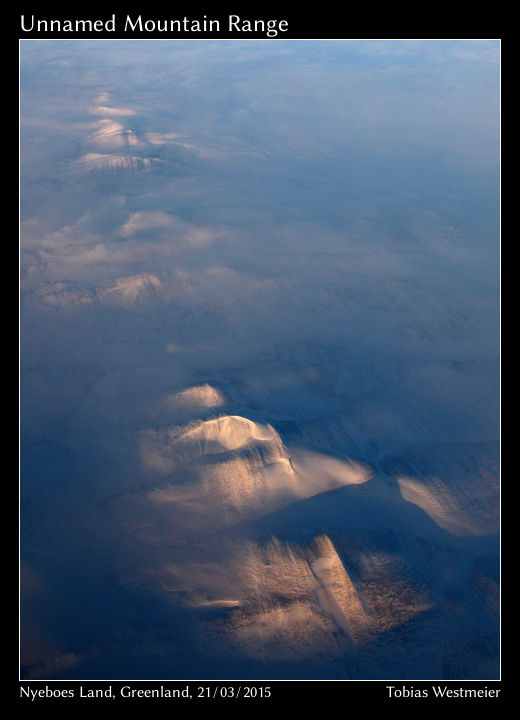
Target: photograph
(259,357)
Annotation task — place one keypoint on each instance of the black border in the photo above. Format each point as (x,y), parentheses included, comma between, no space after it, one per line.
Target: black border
(304,22)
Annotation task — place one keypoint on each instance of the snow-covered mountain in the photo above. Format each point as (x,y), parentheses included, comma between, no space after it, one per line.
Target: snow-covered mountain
(259,360)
